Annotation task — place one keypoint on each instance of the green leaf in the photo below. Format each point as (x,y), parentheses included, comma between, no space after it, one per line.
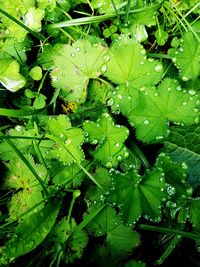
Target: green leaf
(70,176)
(175,176)
(187,57)
(10,77)
(36,73)
(109,137)
(24,145)
(159,106)
(32,231)
(145,17)
(33,18)
(190,211)
(106,6)
(127,67)
(138,196)
(80,61)
(120,239)
(161,36)
(29,190)
(71,138)
(183,146)
(99,92)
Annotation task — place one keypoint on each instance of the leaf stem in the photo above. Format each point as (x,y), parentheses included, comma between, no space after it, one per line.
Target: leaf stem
(168,231)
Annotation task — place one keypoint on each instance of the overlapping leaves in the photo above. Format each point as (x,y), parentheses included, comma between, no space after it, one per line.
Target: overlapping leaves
(127,67)
(28,199)
(120,239)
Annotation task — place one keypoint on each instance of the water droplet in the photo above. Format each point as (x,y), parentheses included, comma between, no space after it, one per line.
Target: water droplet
(158,68)
(119,158)
(109,164)
(195,110)
(142,88)
(94,141)
(159,137)
(197,102)
(106,57)
(156,94)
(142,63)
(146,122)
(18,128)
(110,102)
(117,144)
(174,59)
(185,78)
(196,120)
(178,88)
(54,78)
(119,96)
(103,68)
(184,103)
(184,166)
(191,92)
(72,55)
(169,89)
(61,135)
(126,154)
(171,190)
(78,49)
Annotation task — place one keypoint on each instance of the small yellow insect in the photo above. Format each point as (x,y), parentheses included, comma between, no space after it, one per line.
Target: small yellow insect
(69,107)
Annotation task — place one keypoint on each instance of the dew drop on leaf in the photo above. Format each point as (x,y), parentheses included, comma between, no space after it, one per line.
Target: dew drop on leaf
(110,102)
(109,164)
(174,59)
(171,190)
(158,68)
(185,78)
(119,96)
(103,68)
(191,92)
(146,122)
(178,88)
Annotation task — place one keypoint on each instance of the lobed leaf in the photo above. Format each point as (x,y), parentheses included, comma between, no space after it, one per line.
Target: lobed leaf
(138,196)
(32,231)
(127,67)
(120,239)
(158,107)
(71,138)
(75,65)
(109,137)
(187,57)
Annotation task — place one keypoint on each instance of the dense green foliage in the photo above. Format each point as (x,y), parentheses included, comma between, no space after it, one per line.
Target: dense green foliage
(99,131)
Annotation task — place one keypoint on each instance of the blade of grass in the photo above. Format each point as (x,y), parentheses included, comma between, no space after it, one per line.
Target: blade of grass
(21,156)
(96,19)
(54,138)
(35,34)
(169,249)
(127,12)
(17,113)
(169,231)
